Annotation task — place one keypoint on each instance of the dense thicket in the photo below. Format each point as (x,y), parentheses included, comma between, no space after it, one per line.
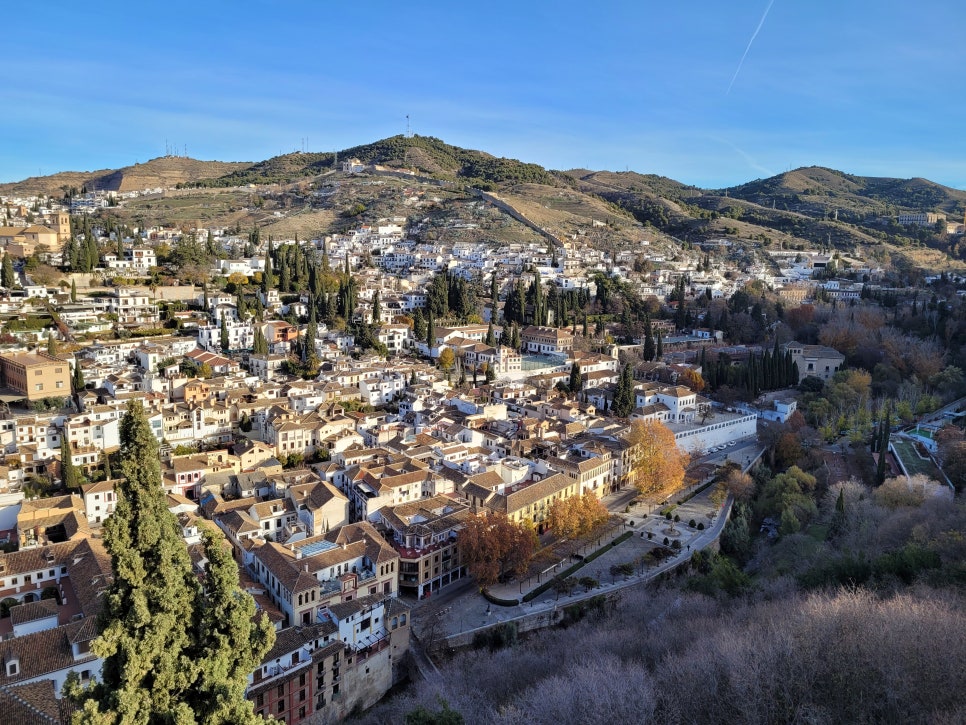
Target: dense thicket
(835,657)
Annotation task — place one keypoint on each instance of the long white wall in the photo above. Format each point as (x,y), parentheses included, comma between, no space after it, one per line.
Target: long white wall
(715,433)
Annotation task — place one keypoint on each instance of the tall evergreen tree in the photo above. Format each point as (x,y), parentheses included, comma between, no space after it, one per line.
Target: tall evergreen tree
(576,379)
(173,651)
(376,308)
(419,325)
(77,381)
(225,342)
(106,463)
(624,396)
(6,272)
(648,352)
(73,291)
(490,337)
(430,333)
(267,275)
(259,343)
(69,474)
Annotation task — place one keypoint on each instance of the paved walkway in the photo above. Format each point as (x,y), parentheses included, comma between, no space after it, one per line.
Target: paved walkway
(464,610)
(472,612)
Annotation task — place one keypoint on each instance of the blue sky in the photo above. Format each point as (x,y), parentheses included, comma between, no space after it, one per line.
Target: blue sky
(864,86)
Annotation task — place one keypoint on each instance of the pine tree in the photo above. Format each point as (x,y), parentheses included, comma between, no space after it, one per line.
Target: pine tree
(69,474)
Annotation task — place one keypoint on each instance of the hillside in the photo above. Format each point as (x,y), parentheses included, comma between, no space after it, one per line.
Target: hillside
(165,171)
(807,206)
(816,190)
(426,155)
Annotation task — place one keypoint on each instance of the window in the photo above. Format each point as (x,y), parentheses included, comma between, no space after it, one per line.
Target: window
(281,706)
(260,699)
(39,386)
(281,691)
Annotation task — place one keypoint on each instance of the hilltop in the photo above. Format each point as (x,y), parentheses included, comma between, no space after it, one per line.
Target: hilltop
(165,171)
(307,194)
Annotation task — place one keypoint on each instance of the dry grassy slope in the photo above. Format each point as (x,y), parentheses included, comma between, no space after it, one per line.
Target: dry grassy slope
(565,212)
(163,171)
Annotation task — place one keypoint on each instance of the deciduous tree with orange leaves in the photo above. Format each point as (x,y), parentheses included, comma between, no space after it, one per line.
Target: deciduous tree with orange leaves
(495,548)
(658,465)
(576,516)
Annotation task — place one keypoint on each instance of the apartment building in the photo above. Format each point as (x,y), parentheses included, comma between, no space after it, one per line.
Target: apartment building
(35,375)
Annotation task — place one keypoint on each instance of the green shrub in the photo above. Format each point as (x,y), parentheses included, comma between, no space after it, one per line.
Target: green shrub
(499,602)
(692,523)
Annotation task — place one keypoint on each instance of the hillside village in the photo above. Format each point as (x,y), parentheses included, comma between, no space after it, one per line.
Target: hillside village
(337,408)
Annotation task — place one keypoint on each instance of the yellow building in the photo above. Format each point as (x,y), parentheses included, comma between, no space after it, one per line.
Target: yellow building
(35,375)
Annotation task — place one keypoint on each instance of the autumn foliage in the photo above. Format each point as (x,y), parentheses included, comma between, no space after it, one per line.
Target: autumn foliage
(576,516)
(659,465)
(494,548)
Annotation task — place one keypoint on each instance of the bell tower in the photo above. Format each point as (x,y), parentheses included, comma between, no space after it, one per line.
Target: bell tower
(61,225)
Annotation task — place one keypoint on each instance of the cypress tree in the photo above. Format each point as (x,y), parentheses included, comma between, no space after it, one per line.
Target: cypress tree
(430,333)
(490,337)
(73,291)
(77,380)
(576,379)
(376,309)
(106,462)
(267,274)
(648,352)
(659,353)
(6,272)
(225,342)
(259,343)
(173,650)
(623,404)
(69,474)
(284,277)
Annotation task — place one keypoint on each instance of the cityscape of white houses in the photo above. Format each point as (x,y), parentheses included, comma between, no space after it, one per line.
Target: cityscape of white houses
(340,476)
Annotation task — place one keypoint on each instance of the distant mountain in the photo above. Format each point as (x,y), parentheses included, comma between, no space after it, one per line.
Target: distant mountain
(815,189)
(811,205)
(166,171)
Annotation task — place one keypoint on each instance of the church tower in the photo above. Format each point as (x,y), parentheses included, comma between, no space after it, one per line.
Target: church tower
(61,224)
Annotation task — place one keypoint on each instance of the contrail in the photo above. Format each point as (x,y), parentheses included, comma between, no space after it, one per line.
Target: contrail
(745,54)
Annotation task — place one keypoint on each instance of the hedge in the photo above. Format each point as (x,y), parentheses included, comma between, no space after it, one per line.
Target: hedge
(499,602)
(534,593)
